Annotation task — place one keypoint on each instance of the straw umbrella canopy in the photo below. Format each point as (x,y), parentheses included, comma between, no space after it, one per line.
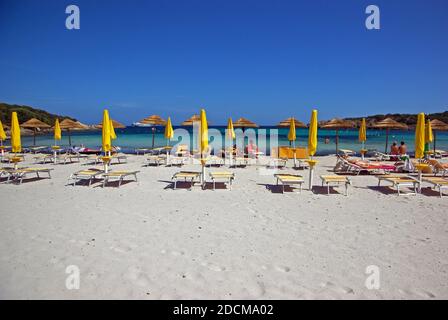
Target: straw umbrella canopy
(35,124)
(115,123)
(337,124)
(437,125)
(388,124)
(190,121)
(153,120)
(244,123)
(287,122)
(68,125)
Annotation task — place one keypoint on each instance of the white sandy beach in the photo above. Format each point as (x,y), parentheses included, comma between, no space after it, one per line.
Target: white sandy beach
(147,241)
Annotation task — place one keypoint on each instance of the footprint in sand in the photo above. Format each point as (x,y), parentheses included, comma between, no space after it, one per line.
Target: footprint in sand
(331,285)
(282,268)
(213,267)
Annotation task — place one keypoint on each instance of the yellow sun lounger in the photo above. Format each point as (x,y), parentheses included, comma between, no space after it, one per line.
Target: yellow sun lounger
(437,182)
(289,179)
(333,180)
(400,181)
(88,174)
(185,175)
(222,175)
(20,174)
(118,175)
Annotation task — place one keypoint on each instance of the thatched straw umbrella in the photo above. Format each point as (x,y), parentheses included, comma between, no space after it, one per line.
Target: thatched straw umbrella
(153,120)
(287,123)
(388,124)
(437,125)
(35,124)
(69,125)
(244,123)
(116,125)
(192,120)
(337,124)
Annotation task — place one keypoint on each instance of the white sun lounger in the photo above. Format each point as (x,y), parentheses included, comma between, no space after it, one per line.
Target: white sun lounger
(118,175)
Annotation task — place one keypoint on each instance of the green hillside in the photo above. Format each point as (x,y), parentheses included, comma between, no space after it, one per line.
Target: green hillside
(25,113)
(409,119)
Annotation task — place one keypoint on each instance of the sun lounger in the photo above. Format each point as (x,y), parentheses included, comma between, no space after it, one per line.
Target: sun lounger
(67,157)
(277,163)
(333,180)
(346,152)
(289,180)
(88,174)
(118,175)
(186,176)
(215,161)
(356,166)
(399,182)
(437,182)
(177,161)
(438,167)
(22,173)
(43,158)
(10,157)
(222,176)
(155,160)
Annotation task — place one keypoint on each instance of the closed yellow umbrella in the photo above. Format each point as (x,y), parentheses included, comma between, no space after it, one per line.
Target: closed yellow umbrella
(2,133)
(312,135)
(292,137)
(15,133)
(203,139)
(106,132)
(420,136)
(113,136)
(2,137)
(230,130)
(292,131)
(169,132)
(362,136)
(57,131)
(428,132)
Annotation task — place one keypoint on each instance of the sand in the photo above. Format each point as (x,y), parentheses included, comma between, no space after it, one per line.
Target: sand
(147,241)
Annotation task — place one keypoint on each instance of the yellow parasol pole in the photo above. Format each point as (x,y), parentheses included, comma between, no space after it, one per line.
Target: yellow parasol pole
(57,136)
(169,134)
(428,137)
(312,145)
(362,136)
(203,132)
(2,137)
(420,145)
(231,135)
(292,137)
(15,136)
(106,137)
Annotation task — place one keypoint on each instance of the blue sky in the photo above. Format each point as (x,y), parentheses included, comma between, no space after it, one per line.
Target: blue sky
(264,60)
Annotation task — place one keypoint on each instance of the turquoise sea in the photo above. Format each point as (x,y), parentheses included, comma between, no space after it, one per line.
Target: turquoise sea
(131,138)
